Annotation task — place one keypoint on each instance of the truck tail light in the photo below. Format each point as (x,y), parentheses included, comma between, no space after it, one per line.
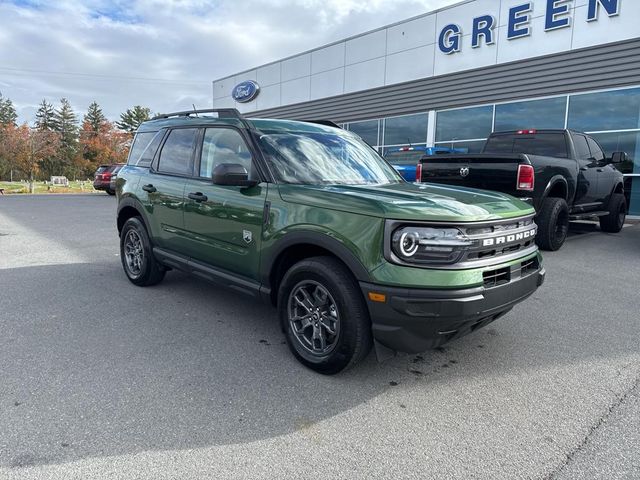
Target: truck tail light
(419,173)
(526,178)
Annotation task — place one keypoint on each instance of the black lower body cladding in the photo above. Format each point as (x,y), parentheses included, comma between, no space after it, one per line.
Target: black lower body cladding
(415,320)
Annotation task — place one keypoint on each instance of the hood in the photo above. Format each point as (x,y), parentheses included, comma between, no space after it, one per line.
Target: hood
(409,201)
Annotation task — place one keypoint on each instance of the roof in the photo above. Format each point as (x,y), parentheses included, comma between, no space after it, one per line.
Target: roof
(262,124)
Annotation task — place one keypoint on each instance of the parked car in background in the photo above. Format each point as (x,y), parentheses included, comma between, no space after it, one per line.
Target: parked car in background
(310,219)
(102,177)
(114,176)
(564,174)
(406,159)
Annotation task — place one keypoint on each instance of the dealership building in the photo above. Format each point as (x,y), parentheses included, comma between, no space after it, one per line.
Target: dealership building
(452,76)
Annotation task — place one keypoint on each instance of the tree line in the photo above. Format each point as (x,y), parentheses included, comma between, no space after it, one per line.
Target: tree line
(59,144)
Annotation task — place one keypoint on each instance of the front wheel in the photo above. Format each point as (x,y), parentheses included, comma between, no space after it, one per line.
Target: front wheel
(324,315)
(614,222)
(136,254)
(553,224)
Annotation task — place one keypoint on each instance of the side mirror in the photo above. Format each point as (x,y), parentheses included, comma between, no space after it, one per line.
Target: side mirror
(619,157)
(232,174)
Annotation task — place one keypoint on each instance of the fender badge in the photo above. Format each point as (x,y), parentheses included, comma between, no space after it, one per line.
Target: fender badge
(246,236)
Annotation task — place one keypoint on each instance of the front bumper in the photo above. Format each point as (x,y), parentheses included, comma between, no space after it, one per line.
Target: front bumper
(415,320)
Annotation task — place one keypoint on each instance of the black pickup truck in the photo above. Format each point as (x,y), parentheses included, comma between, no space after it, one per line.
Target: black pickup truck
(564,174)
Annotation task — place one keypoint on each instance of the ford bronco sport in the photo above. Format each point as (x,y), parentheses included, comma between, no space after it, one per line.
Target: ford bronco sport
(309,218)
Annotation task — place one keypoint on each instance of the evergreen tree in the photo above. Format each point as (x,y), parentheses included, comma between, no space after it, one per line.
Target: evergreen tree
(66,126)
(45,116)
(95,118)
(8,115)
(132,118)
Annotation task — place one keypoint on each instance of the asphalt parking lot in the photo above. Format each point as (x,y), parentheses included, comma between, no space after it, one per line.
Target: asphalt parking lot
(99,378)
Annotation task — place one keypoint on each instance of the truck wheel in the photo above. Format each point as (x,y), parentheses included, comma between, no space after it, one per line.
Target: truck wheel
(136,255)
(614,222)
(324,316)
(553,224)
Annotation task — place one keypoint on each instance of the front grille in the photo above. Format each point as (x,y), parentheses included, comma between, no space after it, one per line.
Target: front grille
(495,278)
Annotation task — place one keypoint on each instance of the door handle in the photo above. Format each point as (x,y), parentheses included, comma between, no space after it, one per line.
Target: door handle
(198,196)
(584,169)
(149,188)
(600,170)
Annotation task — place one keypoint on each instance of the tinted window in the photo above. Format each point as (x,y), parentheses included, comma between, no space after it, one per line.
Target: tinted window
(140,143)
(223,145)
(544,144)
(464,147)
(101,169)
(539,114)
(411,157)
(464,124)
(367,131)
(406,130)
(628,142)
(582,147)
(150,151)
(596,151)
(177,152)
(615,110)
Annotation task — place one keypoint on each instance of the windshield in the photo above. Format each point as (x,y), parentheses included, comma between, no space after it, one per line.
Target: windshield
(324,158)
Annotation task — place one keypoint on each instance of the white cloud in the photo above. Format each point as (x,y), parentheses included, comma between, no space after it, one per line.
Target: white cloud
(164,54)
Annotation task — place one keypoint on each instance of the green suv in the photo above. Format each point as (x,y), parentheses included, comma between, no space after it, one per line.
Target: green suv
(310,219)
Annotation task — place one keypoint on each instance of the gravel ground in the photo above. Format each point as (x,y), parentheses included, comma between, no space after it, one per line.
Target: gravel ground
(101,379)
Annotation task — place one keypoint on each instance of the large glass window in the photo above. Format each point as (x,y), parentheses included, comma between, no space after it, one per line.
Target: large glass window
(177,153)
(367,131)
(537,114)
(406,130)
(464,124)
(615,110)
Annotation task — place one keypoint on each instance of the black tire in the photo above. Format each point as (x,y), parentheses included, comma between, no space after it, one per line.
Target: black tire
(136,254)
(111,192)
(614,222)
(553,224)
(340,307)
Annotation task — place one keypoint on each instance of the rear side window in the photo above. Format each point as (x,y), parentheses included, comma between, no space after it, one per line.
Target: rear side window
(101,169)
(596,152)
(140,144)
(582,147)
(176,156)
(544,144)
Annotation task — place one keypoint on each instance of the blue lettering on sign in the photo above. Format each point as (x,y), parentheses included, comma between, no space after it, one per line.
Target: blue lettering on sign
(558,15)
(612,7)
(518,16)
(555,17)
(449,41)
(246,91)
(482,27)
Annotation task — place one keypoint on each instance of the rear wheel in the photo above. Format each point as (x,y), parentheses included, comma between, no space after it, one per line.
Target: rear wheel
(614,222)
(553,224)
(324,315)
(136,255)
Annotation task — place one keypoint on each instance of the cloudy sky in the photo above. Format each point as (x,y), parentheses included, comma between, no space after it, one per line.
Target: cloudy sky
(164,53)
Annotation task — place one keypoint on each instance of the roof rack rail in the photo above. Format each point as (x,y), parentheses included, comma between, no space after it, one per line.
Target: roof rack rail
(327,123)
(222,113)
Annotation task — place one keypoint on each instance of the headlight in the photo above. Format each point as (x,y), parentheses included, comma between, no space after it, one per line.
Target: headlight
(430,245)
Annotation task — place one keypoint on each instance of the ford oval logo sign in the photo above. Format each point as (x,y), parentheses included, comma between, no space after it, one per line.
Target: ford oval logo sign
(246,91)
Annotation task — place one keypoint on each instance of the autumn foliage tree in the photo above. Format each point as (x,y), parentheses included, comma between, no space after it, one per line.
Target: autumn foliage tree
(102,145)
(27,148)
